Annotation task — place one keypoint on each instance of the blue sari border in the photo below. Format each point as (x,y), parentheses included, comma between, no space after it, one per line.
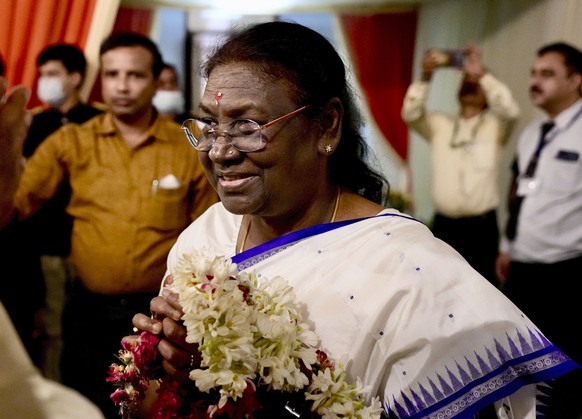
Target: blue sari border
(540,366)
(256,254)
(531,359)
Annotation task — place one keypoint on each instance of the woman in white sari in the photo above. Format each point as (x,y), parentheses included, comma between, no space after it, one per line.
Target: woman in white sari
(430,336)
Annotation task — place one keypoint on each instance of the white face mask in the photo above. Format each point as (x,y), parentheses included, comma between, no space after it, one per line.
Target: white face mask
(51,90)
(169,101)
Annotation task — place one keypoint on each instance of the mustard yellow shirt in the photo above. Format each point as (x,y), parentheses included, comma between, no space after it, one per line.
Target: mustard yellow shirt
(126,218)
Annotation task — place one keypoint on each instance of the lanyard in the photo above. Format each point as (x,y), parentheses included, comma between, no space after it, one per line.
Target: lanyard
(557,129)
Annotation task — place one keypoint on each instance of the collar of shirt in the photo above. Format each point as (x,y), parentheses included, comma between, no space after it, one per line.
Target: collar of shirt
(160,130)
(567,116)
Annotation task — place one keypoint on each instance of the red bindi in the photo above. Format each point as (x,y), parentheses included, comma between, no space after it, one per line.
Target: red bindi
(217,97)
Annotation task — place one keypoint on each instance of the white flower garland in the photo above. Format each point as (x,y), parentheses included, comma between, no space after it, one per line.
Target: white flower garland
(251,331)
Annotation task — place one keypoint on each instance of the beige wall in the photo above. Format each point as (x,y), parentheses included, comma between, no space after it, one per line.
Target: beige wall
(509,32)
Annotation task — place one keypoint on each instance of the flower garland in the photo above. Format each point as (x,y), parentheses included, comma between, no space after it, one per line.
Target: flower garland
(252,339)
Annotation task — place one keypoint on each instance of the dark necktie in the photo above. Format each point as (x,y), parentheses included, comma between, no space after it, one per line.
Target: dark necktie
(515,201)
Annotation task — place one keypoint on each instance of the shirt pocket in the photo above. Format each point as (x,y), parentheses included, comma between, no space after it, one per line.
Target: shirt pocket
(168,209)
(482,154)
(564,174)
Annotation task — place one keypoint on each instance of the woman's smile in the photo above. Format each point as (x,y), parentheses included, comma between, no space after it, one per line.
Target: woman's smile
(233,182)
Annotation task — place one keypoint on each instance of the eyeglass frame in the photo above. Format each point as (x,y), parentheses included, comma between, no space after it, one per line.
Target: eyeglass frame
(222,133)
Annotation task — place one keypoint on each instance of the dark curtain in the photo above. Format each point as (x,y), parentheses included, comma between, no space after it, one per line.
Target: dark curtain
(382,51)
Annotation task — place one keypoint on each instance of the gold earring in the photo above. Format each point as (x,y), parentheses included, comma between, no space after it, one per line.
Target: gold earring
(328,148)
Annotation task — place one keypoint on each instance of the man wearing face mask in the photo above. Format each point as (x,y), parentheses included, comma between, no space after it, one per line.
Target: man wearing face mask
(61,68)
(169,100)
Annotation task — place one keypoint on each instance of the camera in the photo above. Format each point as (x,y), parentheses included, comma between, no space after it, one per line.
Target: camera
(449,57)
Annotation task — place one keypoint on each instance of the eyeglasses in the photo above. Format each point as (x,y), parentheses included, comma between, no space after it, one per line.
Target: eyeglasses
(245,135)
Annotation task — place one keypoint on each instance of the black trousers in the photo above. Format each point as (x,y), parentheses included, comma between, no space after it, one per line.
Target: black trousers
(475,238)
(93,326)
(547,294)
(23,290)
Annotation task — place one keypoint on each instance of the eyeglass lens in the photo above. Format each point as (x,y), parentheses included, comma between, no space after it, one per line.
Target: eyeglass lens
(243,134)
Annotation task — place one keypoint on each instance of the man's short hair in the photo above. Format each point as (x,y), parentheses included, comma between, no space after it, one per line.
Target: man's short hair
(572,55)
(133,39)
(70,55)
(171,67)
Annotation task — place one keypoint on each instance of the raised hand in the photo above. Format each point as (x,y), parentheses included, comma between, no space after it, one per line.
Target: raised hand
(14,123)
(473,65)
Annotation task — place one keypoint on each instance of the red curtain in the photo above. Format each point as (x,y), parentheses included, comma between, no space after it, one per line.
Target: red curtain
(129,19)
(30,25)
(133,19)
(382,50)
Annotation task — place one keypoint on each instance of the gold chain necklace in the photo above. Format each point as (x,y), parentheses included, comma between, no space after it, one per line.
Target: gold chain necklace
(337,201)
(333,215)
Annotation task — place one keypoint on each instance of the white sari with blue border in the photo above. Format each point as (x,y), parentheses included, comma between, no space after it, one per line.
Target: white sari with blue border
(430,336)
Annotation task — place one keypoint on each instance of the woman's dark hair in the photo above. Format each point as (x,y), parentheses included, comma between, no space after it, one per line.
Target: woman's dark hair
(312,66)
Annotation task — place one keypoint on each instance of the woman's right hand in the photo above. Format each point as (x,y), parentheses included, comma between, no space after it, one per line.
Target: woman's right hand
(178,356)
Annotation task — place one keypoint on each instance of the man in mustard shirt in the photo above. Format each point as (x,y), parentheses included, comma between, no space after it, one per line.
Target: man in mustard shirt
(136,184)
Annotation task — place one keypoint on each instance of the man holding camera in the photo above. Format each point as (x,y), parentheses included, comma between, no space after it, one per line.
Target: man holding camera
(466,153)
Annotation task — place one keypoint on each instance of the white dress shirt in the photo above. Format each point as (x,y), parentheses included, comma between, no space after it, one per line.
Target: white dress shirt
(549,226)
(465,152)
